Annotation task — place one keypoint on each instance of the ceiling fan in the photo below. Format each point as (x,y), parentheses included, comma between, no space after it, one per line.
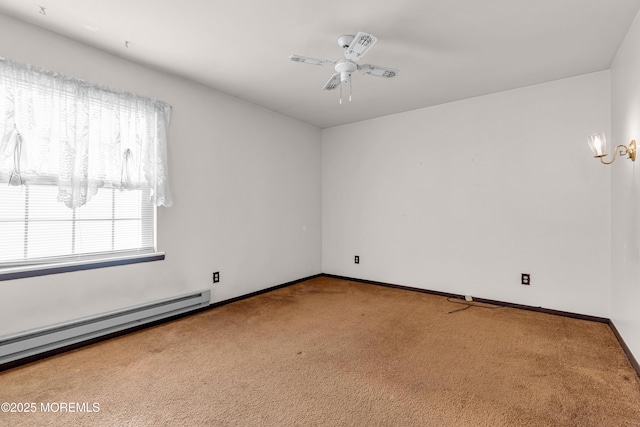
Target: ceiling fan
(354,50)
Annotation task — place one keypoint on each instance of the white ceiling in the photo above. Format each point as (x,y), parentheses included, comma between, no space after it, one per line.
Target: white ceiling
(445,49)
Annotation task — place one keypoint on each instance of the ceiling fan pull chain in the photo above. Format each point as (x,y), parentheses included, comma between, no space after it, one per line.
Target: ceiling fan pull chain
(340,93)
(350,90)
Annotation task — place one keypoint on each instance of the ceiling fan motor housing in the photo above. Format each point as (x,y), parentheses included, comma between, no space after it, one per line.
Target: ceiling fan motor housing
(345,67)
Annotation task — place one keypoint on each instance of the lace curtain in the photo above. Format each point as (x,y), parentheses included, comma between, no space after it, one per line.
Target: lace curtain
(80,137)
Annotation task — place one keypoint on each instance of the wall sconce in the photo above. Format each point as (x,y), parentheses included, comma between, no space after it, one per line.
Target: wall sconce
(598,144)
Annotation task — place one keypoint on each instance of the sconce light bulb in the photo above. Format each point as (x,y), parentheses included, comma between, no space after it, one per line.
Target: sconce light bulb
(598,144)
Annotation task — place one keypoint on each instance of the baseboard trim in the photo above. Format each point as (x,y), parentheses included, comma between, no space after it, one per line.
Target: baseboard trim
(262,291)
(391,285)
(482,300)
(625,348)
(70,347)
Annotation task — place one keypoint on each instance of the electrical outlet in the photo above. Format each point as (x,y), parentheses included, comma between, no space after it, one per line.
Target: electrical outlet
(216,277)
(357,259)
(525,279)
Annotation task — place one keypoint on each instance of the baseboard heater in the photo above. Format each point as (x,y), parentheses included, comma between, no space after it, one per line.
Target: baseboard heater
(31,343)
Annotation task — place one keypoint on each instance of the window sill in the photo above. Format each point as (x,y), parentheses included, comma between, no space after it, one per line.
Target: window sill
(65,267)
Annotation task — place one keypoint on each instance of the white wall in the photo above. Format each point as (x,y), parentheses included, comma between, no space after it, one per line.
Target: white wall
(625,192)
(463,197)
(247,194)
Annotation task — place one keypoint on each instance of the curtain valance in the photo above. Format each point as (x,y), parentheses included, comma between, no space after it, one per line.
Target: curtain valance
(80,137)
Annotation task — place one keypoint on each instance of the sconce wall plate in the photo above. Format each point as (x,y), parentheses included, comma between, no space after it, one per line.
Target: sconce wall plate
(631,150)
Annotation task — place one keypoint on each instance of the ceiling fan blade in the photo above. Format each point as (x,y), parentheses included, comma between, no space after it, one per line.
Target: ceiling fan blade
(361,43)
(378,71)
(312,61)
(333,82)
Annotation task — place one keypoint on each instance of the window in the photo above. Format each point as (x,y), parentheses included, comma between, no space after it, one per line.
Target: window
(82,169)
(36,227)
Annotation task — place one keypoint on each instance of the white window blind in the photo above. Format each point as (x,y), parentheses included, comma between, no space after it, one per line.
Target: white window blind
(82,168)
(37,228)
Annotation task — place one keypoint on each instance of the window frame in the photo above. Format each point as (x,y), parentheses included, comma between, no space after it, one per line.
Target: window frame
(36,270)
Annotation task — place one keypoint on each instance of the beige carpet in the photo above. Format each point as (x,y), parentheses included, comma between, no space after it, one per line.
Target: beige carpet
(327,352)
